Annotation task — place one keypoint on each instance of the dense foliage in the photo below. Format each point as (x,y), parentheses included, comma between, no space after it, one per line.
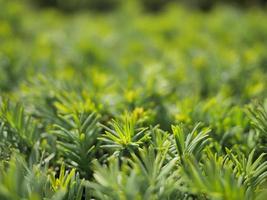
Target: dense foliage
(149,5)
(132,105)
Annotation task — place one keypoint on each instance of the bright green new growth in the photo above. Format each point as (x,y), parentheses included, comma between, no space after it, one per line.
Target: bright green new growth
(124,136)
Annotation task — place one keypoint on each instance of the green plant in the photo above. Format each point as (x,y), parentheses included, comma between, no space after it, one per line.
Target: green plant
(17,181)
(250,171)
(77,139)
(212,179)
(68,186)
(147,176)
(191,144)
(18,129)
(124,137)
(258,115)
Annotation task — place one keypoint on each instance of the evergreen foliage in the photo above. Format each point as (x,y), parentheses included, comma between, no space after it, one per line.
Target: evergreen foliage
(131,105)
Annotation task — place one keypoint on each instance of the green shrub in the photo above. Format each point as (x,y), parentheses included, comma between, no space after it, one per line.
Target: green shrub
(132,105)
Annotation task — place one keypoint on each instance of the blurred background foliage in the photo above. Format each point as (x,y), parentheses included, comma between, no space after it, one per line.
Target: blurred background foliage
(183,53)
(151,5)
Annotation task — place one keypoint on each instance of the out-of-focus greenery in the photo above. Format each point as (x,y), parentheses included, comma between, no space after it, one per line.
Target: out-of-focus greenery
(149,5)
(130,104)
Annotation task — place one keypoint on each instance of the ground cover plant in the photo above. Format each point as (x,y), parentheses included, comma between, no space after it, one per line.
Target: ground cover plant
(130,104)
